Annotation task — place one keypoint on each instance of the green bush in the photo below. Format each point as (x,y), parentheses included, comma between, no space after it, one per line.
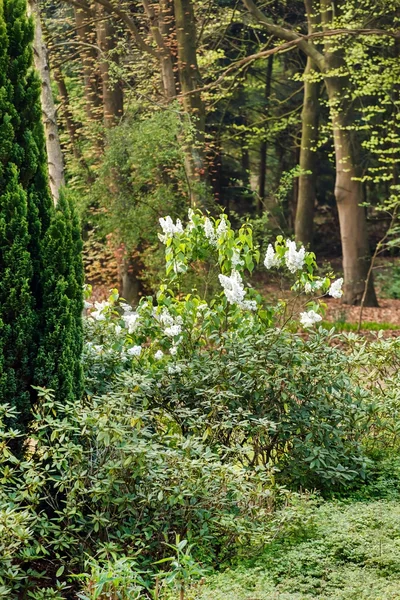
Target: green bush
(227,372)
(112,478)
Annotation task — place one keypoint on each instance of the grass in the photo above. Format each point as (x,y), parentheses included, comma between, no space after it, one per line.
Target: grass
(365,326)
(349,551)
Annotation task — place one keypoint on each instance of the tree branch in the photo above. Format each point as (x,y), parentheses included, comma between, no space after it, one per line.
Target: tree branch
(113,9)
(288,46)
(286,35)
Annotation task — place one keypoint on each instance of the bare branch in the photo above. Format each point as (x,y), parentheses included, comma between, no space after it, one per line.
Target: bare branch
(113,9)
(287,35)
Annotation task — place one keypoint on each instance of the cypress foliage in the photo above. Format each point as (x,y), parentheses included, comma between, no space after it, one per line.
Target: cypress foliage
(41,272)
(58,362)
(18,319)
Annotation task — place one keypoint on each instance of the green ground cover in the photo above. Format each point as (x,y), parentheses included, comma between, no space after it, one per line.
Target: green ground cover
(346,551)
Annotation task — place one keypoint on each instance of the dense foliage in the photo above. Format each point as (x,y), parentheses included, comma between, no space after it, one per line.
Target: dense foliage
(41,268)
(200,422)
(200,430)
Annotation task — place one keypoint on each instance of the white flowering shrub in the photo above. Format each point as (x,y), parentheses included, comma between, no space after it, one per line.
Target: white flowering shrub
(230,370)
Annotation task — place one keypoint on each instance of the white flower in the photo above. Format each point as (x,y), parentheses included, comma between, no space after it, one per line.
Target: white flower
(173,330)
(308,288)
(233,287)
(235,292)
(294,259)
(307,319)
(98,314)
(201,309)
(98,349)
(209,232)
(249,304)
(118,329)
(172,369)
(173,350)
(191,224)
(271,259)
(87,304)
(336,288)
(236,261)
(169,228)
(159,354)
(134,351)
(222,227)
(165,318)
(126,307)
(130,320)
(318,284)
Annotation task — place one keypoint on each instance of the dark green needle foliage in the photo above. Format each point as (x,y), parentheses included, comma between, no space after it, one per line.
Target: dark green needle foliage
(58,363)
(28,263)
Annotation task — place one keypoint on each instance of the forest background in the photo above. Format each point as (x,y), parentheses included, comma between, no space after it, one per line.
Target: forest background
(284,113)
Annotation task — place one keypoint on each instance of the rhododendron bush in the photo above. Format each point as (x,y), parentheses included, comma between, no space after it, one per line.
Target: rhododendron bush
(229,368)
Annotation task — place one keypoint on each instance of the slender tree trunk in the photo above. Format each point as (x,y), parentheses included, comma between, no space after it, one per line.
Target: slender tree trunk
(131,286)
(66,112)
(91,79)
(304,221)
(55,158)
(113,102)
(168,31)
(263,148)
(190,80)
(160,30)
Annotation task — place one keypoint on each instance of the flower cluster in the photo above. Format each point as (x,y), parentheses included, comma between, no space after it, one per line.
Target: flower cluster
(210,232)
(214,234)
(235,292)
(336,288)
(308,319)
(294,258)
(169,228)
(129,317)
(271,258)
(99,313)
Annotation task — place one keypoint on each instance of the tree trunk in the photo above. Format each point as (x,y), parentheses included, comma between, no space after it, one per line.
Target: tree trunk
(349,197)
(160,30)
(131,286)
(69,122)
(55,158)
(112,89)
(348,191)
(87,37)
(190,81)
(168,32)
(304,221)
(263,148)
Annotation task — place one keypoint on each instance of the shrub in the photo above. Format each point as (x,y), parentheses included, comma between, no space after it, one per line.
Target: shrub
(225,370)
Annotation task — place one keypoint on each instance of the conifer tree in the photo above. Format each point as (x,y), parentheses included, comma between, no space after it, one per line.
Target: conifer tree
(39,295)
(58,363)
